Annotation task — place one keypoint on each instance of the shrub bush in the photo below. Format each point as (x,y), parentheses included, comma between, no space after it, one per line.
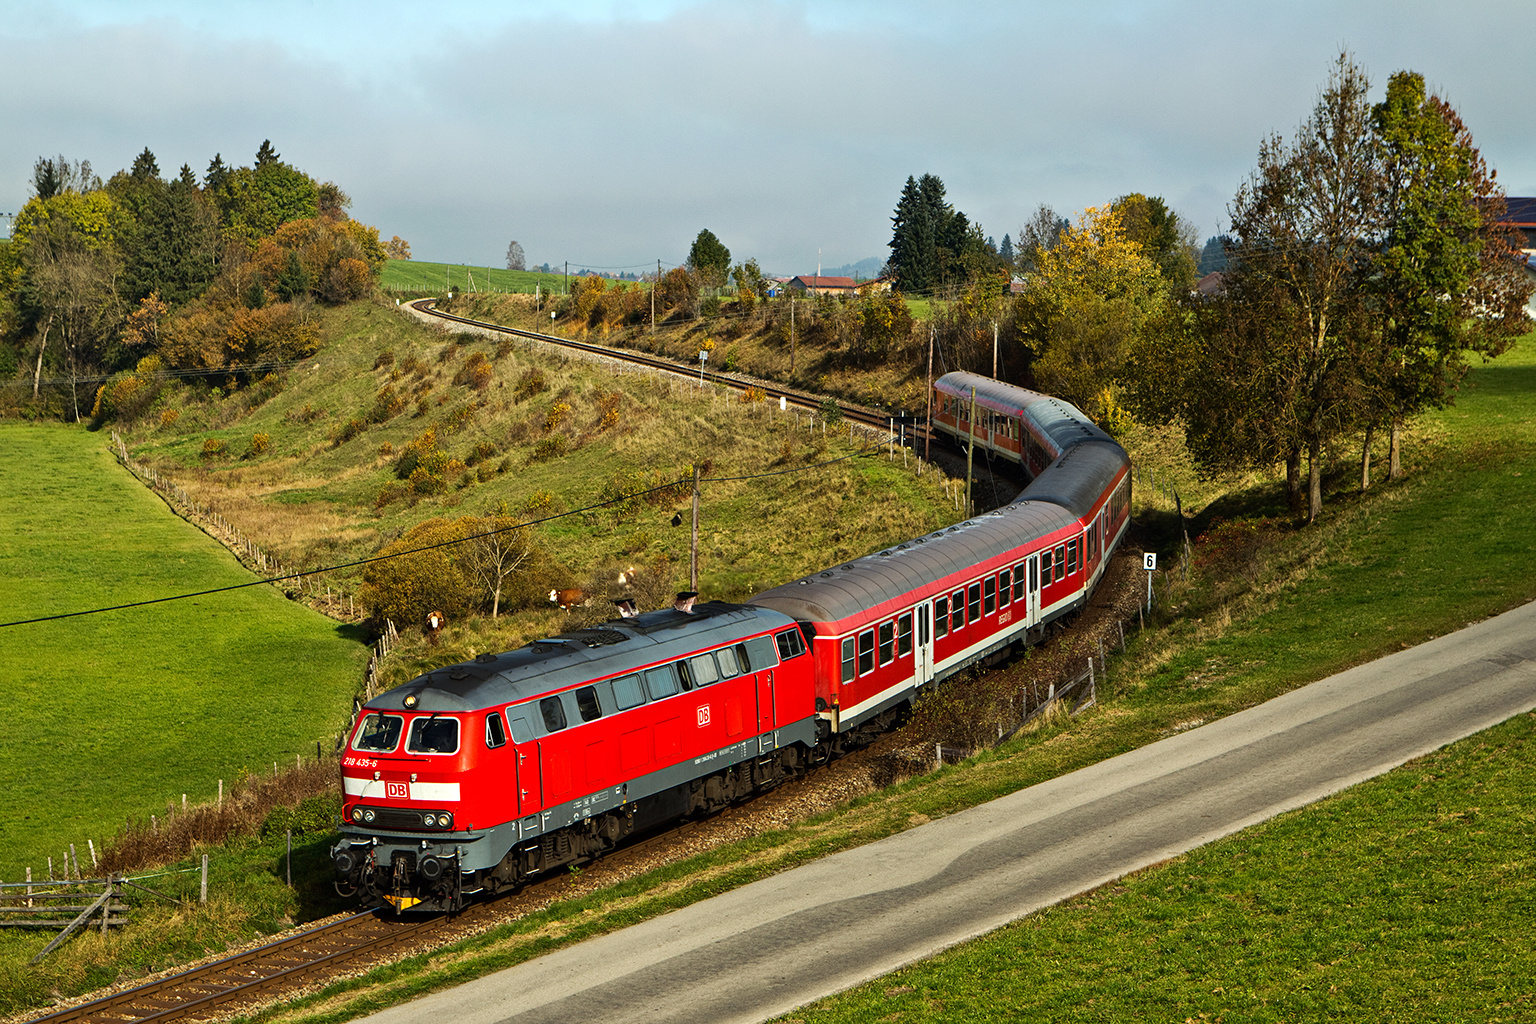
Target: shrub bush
(213,448)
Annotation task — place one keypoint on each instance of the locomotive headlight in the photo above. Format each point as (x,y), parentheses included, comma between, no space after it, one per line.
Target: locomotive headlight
(445,819)
(357,814)
(430,820)
(410,700)
(369,815)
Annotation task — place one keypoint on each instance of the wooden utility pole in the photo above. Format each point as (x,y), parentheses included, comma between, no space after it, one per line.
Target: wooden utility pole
(994,350)
(791,335)
(654,285)
(928,441)
(970,453)
(693,547)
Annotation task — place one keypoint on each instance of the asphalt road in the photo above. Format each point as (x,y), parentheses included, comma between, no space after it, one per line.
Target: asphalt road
(766,948)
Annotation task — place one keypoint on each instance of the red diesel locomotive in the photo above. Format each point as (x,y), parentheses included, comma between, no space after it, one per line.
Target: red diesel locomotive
(476,776)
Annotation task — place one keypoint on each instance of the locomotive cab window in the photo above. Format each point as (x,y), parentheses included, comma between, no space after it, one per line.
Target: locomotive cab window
(553,713)
(495,731)
(790,644)
(379,734)
(941,617)
(433,735)
(628,692)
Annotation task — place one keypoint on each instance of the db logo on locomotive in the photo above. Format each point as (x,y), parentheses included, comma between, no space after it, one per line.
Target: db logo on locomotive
(396,790)
(703,715)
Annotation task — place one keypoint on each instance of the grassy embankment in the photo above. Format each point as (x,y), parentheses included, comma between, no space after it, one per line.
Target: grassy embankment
(1424,556)
(437,278)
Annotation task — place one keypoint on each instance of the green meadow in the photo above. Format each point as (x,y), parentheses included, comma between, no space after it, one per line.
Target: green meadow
(118,713)
(437,278)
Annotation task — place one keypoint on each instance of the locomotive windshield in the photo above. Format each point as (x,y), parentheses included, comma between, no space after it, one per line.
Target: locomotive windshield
(433,735)
(378,734)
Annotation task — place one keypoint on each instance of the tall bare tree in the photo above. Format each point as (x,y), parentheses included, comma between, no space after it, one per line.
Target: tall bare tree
(498,550)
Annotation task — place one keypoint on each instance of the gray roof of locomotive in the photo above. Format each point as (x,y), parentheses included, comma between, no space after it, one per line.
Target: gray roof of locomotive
(577,656)
(891,575)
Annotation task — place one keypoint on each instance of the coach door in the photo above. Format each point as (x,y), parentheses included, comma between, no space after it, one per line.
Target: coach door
(1032,593)
(922,661)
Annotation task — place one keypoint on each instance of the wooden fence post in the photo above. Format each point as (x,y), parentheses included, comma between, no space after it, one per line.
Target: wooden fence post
(203,891)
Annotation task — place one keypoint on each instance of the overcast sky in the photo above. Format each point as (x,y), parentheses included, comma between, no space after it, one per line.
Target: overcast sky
(608,134)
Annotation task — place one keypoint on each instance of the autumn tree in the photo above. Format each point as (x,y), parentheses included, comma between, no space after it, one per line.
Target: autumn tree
(497,549)
(425,576)
(751,285)
(397,248)
(1087,299)
(515,257)
(1164,238)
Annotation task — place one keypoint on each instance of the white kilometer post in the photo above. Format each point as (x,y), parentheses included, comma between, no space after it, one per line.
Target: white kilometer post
(1149,563)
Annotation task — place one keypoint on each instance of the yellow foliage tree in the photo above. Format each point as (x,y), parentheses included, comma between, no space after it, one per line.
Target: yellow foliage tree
(1088,299)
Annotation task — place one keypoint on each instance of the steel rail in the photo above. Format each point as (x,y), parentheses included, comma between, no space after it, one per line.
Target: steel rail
(860,414)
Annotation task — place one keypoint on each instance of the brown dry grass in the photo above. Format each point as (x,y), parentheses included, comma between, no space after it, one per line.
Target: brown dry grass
(163,839)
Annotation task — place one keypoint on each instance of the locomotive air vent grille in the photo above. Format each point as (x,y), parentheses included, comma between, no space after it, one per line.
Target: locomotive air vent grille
(598,637)
(547,647)
(486,658)
(457,672)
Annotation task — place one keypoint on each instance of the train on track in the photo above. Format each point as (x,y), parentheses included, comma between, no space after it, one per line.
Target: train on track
(475,777)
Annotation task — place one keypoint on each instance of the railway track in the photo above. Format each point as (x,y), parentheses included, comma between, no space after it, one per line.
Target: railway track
(909,426)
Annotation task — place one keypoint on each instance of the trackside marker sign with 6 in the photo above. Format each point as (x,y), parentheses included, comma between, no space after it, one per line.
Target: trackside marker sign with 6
(1149,561)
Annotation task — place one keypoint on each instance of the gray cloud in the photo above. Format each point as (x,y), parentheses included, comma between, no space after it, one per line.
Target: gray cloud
(611,139)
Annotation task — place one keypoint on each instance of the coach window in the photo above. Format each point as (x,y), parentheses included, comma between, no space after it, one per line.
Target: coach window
(1061,562)
(378,734)
(989,587)
(887,642)
(848,660)
(866,651)
(957,611)
(433,735)
(790,643)
(702,668)
(1045,567)
(1004,584)
(553,712)
(587,704)
(941,617)
(1071,556)
(495,731)
(661,682)
(628,692)
(973,603)
(1018,582)
(904,635)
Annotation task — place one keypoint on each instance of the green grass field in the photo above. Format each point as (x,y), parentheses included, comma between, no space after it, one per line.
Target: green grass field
(436,278)
(119,713)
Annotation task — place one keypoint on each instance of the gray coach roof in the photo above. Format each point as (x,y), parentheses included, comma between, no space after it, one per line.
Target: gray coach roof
(1079,478)
(857,587)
